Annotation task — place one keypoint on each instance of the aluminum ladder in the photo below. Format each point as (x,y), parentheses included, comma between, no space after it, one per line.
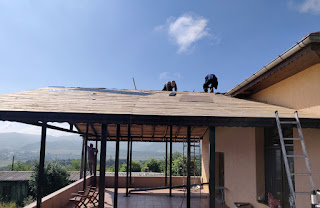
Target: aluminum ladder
(290,174)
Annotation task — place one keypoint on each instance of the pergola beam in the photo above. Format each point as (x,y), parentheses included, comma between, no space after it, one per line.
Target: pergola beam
(102,177)
(85,157)
(41,164)
(188,168)
(94,130)
(34,117)
(55,127)
(116,169)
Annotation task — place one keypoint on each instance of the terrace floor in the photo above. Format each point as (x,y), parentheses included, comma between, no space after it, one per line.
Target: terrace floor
(157,199)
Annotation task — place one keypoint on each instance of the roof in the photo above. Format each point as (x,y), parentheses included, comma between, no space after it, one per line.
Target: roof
(142,109)
(301,56)
(15,175)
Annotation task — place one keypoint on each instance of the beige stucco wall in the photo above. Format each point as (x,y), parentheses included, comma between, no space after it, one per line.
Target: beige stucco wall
(60,198)
(300,91)
(312,141)
(243,163)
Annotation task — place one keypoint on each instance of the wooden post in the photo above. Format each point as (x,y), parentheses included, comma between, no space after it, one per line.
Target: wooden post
(116,168)
(188,168)
(85,158)
(12,163)
(128,161)
(170,194)
(102,177)
(41,164)
(212,160)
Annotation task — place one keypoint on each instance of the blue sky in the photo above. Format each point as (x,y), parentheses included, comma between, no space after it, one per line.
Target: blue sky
(106,43)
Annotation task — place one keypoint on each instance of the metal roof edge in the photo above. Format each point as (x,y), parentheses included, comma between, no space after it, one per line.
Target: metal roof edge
(306,40)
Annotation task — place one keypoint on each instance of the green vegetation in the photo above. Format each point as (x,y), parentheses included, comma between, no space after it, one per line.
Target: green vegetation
(28,200)
(20,166)
(153,165)
(8,204)
(55,177)
(136,167)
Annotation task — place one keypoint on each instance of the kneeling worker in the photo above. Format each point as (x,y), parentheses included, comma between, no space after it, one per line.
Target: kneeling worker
(211,81)
(169,86)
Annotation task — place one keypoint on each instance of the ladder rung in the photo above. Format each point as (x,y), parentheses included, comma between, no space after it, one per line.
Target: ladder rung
(298,138)
(296,155)
(300,174)
(288,145)
(288,122)
(302,192)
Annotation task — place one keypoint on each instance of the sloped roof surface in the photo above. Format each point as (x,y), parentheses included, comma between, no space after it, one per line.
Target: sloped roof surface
(133,102)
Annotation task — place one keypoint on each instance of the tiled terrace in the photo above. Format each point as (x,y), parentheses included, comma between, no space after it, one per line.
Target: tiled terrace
(157,199)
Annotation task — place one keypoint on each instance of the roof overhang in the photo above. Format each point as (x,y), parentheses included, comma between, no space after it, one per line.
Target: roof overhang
(301,56)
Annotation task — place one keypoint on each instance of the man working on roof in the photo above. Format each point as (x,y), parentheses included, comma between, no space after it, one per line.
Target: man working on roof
(210,81)
(169,86)
(91,158)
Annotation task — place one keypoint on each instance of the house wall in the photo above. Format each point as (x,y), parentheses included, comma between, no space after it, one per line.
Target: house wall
(15,191)
(302,184)
(300,91)
(243,163)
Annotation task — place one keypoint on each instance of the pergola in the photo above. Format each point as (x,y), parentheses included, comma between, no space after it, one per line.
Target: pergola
(129,115)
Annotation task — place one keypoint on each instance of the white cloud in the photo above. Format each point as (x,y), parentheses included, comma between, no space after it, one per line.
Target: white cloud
(312,6)
(186,30)
(308,6)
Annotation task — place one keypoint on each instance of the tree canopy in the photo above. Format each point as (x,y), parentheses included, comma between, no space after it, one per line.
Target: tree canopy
(55,177)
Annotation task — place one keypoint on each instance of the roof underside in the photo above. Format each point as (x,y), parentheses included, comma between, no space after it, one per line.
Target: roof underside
(150,133)
(149,113)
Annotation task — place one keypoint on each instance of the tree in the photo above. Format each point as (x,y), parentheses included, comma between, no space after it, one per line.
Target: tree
(20,166)
(153,165)
(110,169)
(136,167)
(75,165)
(55,177)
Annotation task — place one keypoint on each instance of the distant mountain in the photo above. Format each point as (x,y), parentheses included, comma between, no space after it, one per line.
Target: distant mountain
(27,147)
(16,141)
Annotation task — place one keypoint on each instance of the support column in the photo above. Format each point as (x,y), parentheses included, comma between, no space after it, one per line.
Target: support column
(102,177)
(170,172)
(166,171)
(212,160)
(131,161)
(95,165)
(116,169)
(188,167)
(85,157)
(128,161)
(41,164)
(82,158)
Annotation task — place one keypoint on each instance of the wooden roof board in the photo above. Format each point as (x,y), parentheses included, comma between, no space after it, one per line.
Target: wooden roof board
(148,133)
(153,103)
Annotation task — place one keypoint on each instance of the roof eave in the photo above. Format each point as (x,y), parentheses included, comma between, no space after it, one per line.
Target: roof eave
(308,39)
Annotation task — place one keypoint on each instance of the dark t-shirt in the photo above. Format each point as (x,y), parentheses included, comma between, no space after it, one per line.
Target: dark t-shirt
(211,81)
